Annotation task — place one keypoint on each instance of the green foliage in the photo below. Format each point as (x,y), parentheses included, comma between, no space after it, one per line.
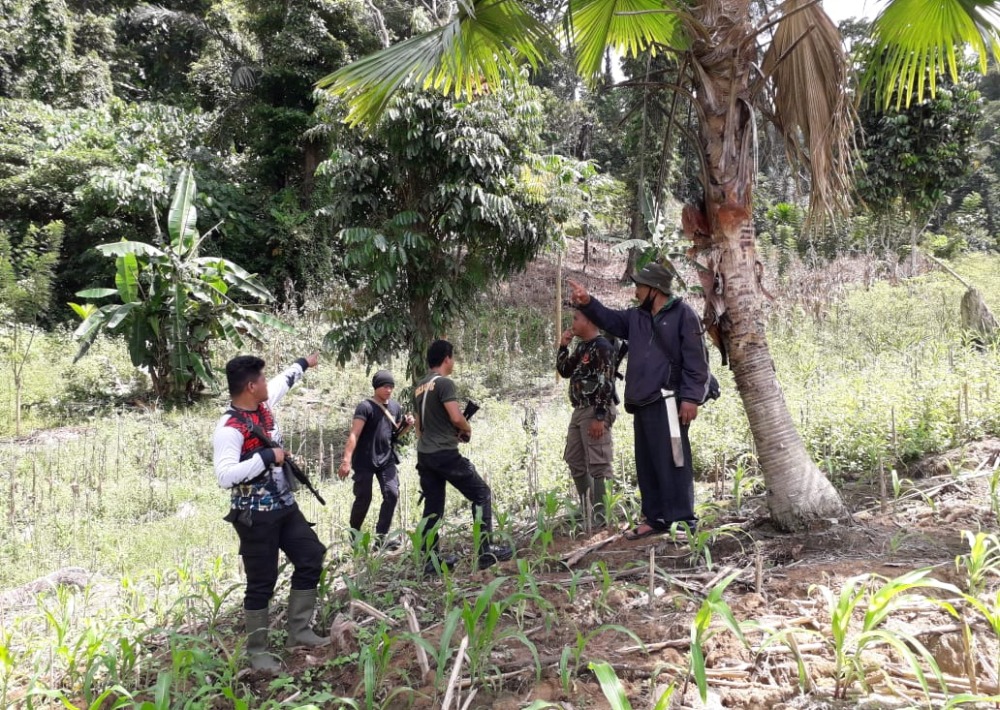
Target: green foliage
(878,603)
(432,208)
(50,53)
(712,607)
(174,302)
(97,170)
(981,562)
(919,154)
(26,280)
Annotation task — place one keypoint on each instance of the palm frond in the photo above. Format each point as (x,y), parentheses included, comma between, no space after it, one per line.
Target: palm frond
(487,41)
(915,41)
(628,26)
(807,66)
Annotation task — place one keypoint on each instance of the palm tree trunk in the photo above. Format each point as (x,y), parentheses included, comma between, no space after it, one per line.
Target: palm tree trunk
(799,492)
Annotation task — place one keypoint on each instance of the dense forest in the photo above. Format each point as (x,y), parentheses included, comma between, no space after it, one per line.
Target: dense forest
(104,105)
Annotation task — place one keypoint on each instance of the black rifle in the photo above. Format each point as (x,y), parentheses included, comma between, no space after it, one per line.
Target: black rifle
(289,466)
(470,409)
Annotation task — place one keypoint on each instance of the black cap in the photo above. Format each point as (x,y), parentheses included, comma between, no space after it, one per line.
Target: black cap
(654,276)
(383,378)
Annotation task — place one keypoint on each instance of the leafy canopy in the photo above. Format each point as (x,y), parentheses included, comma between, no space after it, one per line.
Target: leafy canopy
(430,208)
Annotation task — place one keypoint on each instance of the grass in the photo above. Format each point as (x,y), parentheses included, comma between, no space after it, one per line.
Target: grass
(880,377)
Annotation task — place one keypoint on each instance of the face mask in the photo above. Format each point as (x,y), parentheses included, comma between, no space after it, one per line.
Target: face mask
(647,303)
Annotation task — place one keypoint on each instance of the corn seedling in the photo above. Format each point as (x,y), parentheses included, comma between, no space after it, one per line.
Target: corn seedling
(112,698)
(441,653)
(582,640)
(600,570)
(995,492)
(482,626)
(611,686)
(701,630)
(878,603)
(788,636)
(701,539)
(982,560)
(991,613)
(375,661)
(573,588)
(744,482)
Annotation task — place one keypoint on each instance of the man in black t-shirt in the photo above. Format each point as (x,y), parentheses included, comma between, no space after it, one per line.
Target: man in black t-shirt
(441,426)
(378,423)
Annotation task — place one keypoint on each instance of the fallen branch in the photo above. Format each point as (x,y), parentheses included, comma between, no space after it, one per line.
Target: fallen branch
(371,611)
(456,669)
(467,682)
(414,626)
(574,557)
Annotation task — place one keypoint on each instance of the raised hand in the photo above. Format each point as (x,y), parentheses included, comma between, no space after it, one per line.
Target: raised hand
(577,293)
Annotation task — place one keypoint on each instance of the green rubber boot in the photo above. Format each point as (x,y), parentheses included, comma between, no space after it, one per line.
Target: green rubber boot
(598,491)
(301,604)
(255,622)
(583,485)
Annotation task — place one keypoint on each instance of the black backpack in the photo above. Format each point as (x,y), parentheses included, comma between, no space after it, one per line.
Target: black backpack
(714,388)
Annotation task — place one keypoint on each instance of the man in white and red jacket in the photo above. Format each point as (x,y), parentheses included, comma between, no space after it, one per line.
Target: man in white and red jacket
(263,509)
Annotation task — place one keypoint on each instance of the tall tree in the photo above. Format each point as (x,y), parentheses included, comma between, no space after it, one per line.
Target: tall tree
(787,65)
(432,206)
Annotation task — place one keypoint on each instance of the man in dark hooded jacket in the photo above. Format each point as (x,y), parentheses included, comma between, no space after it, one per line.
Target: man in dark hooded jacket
(666,381)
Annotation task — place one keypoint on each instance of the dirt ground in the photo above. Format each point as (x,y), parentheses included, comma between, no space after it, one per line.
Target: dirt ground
(777,584)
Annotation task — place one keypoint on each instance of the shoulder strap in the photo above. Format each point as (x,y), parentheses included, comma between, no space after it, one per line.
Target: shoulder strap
(423,402)
(385,411)
(255,429)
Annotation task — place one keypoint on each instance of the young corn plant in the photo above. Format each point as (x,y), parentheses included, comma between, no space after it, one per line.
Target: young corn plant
(482,626)
(745,482)
(991,613)
(572,656)
(878,603)
(440,654)
(982,560)
(375,662)
(995,492)
(700,540)
(615,693)
(702,631)
(788,637)
(610,685)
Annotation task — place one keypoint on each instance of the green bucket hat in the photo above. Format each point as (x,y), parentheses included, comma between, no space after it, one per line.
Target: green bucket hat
(654,276)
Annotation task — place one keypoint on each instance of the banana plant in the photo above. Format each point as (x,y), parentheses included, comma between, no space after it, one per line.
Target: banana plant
(173,303)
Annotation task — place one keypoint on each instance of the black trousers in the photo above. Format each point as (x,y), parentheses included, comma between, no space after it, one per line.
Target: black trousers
(272,530)
(667,490)
(388,483)
(443,467)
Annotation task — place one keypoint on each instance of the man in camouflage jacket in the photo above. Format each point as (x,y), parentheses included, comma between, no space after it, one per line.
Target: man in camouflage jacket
(590,369)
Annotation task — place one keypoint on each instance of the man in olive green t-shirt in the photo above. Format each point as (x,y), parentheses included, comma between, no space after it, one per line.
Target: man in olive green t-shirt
(440,427)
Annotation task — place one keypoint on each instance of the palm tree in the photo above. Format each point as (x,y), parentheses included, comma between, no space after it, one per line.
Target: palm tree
(737,61)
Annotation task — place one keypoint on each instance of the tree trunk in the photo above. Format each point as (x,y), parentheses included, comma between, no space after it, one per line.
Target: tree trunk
(798,490)
(635,232)
(422,334)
